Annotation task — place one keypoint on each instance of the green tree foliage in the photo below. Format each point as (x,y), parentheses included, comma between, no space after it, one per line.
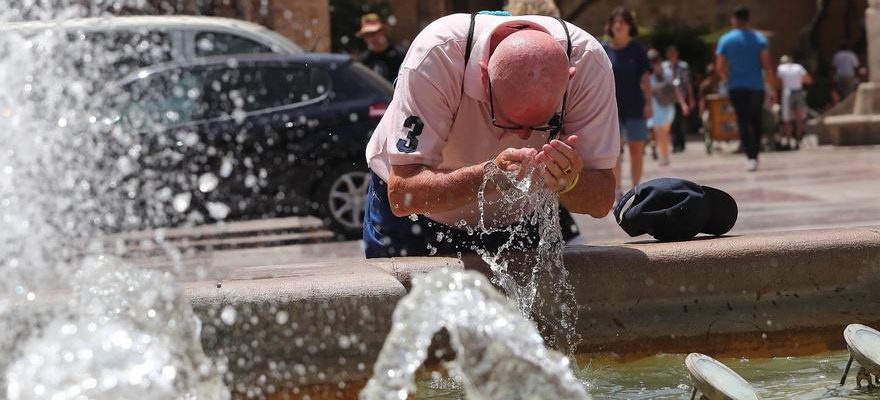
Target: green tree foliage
(687,39)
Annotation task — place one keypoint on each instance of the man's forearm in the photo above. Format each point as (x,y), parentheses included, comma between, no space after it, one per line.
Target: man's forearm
(721,67)
(419,190)
(593,194)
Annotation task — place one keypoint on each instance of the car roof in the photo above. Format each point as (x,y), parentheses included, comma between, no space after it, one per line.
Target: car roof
(247,59)
(137,21)
(150,22)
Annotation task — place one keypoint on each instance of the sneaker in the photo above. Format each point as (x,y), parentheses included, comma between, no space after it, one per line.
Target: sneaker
(664,161)
(751,165)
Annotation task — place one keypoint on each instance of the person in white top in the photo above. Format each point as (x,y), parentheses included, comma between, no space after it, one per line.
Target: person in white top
(793,76)
(845,63)
(488,91)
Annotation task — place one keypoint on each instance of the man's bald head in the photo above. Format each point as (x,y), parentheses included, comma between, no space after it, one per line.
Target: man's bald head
(529,72)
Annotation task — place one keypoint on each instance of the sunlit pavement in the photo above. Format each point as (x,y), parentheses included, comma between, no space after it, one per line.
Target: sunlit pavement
(816,187)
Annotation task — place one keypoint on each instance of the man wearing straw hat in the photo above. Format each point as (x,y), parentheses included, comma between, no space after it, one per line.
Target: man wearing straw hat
(382,56)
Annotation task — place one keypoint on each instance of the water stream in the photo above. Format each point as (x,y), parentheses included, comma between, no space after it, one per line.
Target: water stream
(532,274)
(75,322)
(499,353)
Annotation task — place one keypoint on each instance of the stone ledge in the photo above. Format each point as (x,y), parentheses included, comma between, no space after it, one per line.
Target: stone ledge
(850,130)
(776,293)
(667,294)
(279,328)
(404,268)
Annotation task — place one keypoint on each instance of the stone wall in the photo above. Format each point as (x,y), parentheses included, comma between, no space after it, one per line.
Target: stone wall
(305,22)
(316,326)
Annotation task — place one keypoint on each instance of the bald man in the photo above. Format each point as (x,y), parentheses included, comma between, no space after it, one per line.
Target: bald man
(469,100)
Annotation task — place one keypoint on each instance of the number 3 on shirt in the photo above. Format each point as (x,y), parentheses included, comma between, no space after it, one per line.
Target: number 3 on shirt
(414,126)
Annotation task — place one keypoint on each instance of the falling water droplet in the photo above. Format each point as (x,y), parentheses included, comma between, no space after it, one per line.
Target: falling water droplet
(208,182)
(228,314)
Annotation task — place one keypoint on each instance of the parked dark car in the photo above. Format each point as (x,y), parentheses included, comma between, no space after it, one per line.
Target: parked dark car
(251,137)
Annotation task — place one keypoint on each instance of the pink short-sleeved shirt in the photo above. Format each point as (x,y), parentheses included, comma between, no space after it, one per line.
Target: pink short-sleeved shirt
(432,123)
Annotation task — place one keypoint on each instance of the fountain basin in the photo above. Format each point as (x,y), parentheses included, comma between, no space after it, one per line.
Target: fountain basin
(769,294)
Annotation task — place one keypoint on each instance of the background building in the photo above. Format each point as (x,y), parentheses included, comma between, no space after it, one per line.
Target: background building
(810,30)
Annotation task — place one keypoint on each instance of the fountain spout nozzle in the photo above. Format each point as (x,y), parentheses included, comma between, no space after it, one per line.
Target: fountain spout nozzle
(863,343)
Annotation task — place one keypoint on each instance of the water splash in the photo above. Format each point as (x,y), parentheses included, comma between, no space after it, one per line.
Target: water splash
(64,180)
(500,354)
(129,334)
(532,274)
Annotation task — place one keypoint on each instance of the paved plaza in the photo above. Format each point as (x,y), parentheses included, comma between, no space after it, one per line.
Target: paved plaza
(816,187)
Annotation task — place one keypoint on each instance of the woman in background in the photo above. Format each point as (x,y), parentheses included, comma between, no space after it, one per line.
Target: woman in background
(665,95)
(632,82)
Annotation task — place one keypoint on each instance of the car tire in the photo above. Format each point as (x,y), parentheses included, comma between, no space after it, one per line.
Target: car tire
(342,197)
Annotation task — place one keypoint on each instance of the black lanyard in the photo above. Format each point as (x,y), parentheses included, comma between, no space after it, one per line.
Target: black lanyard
(470,39)
(470,46)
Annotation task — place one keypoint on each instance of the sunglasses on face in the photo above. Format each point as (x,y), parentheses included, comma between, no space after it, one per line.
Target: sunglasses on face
(553,126)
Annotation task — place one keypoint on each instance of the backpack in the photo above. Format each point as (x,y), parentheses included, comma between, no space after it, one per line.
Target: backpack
(664,92)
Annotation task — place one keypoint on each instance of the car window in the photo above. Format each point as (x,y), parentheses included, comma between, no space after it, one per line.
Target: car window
(125,51)
(187,95)
(169,98)
(356,81)
(249,89)
(215,43)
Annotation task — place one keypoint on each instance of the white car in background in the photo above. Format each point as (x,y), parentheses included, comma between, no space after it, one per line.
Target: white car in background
(167,38)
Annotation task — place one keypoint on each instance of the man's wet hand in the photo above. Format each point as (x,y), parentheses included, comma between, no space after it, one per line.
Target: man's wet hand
(562,163)
(516,160)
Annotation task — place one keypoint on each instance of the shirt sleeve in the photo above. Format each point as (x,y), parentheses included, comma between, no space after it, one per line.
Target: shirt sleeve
(421,115)
(762,41)
(591,111)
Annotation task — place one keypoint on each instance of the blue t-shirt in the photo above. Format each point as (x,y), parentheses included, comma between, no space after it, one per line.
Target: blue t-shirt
(630,64)
(742,49)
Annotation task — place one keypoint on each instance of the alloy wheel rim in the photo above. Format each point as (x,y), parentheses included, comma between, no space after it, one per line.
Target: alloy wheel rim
(346,198)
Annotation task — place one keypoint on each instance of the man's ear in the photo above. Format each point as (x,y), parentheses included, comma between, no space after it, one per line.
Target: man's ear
(484,73)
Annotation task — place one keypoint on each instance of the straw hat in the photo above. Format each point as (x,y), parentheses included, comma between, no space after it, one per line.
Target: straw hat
(370,23)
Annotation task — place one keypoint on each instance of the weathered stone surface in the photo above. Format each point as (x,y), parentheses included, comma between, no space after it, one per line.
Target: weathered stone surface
(850,130)
(404,268)
(862,127)
(867,99)
(872,29)
(284,327)
(653,297)
(298,326)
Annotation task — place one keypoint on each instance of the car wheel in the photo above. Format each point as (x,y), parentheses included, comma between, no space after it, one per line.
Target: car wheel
(343,196)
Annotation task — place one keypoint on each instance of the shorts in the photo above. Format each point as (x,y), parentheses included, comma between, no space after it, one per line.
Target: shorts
(662,115)
(794,103)
(845,85)
(633,129)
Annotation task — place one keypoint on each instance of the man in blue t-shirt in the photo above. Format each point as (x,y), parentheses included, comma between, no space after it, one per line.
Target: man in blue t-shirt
(744,62)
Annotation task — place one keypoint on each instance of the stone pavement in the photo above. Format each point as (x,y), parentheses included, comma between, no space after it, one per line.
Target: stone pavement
(816,187)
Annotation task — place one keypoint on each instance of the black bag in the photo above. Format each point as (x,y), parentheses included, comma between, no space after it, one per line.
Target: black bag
(664,92)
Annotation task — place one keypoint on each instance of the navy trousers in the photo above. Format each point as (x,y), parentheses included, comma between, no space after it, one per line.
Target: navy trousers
(387,235)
